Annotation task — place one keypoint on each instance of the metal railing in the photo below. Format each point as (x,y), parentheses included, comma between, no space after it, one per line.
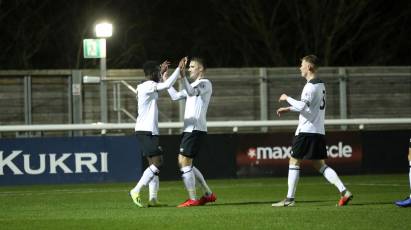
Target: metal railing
(80,109)
(211,124)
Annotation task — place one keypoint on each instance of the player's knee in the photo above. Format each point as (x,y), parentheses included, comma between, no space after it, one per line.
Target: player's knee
(319,165)
(293,161)
(185,169)
(156,161)
(184,161)
(321,168)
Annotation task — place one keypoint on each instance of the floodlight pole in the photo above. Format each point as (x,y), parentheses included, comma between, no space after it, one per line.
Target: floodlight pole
(103,89)
(103,30)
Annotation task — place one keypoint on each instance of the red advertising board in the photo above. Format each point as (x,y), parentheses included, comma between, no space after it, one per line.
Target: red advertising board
(268,154)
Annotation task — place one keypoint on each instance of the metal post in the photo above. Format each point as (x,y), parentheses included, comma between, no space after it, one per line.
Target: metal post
(76,100)
(343,94)
(117,100)
(263,97)
(103,90)
(70,102)
(27,103)
(27,100)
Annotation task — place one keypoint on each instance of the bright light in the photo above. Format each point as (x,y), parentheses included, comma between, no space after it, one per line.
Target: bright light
(104,30)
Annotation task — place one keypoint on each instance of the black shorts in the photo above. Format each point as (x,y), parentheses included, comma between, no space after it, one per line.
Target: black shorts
(191,143)
(149,144)
(309,146)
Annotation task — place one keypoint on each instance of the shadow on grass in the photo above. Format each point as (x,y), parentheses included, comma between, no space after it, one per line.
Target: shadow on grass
(372,203)
(306,203)
(266,202)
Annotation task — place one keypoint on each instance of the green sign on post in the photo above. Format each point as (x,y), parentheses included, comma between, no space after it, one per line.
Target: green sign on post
(94,48)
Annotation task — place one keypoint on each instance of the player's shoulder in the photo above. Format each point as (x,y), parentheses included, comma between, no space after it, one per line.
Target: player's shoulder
(315,81)
(203,83)
(146,85)
(315,84)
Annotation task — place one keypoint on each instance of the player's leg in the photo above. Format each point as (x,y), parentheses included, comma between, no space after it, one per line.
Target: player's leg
(407,201)
(187,174)
(409,160)
(153,187)
(151,150)
(200,179)
(154,184)
(293,177)
(208,195)
(186,168)
(299,150)
(191,144)
(200,142)
(333,178)
(149,173)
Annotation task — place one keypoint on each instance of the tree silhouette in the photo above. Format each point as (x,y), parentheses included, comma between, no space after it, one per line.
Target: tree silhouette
(230,33)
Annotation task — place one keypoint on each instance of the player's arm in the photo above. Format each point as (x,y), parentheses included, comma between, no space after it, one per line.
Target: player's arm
(175,95)
(296,106)
(170,81)
(282,110)
(202,88)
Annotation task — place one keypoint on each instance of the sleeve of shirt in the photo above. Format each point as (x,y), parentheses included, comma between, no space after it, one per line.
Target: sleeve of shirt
(169,82)
(202,88)
(307,95)
(298,106)
(176,95)
(147,87)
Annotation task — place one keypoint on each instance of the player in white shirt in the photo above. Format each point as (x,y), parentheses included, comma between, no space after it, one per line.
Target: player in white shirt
(197,95)
(407,201)
(146,127)
(309,142)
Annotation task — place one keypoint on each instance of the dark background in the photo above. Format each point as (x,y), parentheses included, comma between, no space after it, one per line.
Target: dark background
(48,34)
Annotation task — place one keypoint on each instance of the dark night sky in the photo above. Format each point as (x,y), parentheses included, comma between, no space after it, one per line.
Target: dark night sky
(48,34)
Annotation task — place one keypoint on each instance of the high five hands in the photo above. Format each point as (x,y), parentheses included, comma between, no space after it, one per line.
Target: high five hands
(182,66)
(164,69)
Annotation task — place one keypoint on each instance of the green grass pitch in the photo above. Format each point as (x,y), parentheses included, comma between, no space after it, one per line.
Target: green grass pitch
(241,204)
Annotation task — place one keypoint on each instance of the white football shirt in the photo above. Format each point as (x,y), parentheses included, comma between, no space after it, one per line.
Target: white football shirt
(147,95)
(311,107)
(197,96)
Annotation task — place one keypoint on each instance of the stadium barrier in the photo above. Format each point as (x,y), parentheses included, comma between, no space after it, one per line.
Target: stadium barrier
(265,154)
(55,160)
(361,122)
(116,159)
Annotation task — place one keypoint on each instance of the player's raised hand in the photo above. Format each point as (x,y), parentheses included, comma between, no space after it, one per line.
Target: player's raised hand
(182,65)
(164,67)
(164,76)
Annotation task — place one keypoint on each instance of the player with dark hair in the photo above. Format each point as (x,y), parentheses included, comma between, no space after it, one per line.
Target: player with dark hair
(146,127)
(309,142)
(197,95)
